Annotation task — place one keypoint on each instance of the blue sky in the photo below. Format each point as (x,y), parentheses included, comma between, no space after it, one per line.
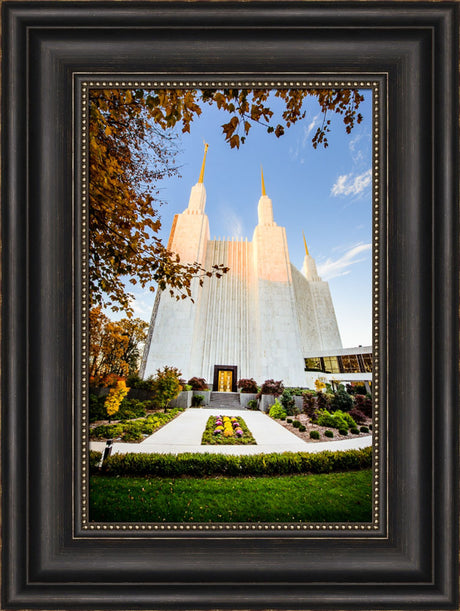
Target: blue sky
(324,192)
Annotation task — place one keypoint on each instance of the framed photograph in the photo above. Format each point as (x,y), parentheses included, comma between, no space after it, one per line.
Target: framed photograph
(84,84)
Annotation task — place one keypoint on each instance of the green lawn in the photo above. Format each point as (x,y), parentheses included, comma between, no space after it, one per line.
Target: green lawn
(332,497)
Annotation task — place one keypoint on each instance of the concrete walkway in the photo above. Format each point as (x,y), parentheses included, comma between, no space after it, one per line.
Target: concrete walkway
(183,434)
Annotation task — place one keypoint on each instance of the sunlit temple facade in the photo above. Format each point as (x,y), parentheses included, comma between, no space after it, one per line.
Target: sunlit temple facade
(257,321)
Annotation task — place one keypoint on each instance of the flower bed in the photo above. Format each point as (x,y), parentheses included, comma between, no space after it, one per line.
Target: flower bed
(226,430)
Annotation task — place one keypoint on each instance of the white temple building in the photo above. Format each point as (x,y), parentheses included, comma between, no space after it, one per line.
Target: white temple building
(259,320)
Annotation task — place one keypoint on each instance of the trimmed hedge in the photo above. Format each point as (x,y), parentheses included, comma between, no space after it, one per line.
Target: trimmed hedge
(199,465)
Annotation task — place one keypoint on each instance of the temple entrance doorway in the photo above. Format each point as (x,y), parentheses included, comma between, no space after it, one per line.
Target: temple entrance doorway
(225,378)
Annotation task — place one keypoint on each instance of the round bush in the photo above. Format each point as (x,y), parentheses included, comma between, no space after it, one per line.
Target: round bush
(364,429)
(328,433)
(277,410)
(314,434)
(354,431)
(296,424)
(370,427)
(289,420)
(302,428)
(252,404)
(343,431)
(283,418)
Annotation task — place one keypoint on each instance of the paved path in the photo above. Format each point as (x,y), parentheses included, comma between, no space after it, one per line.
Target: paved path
(183,434)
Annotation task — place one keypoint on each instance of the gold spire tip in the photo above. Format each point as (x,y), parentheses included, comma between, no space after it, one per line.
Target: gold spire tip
(306,247)
(206,145)
(263,183)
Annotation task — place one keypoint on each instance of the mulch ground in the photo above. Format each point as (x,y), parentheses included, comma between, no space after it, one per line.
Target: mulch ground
(305,435)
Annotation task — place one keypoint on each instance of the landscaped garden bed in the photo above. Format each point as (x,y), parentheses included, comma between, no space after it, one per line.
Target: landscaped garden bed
(322,431)
(134,430)
(329,416)
(226,430)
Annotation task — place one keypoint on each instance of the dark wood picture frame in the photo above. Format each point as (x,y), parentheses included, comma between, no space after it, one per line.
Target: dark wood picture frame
(411,562)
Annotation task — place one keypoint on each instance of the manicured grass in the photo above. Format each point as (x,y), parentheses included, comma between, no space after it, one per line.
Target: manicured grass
(209,438)
(332,497)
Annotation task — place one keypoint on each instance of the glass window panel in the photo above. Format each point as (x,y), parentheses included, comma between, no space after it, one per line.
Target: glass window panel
(350,363)
(367,359)
(313,364)
(331,364)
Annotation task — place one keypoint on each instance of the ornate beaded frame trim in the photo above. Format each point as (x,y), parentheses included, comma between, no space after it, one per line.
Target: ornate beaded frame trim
(379,512)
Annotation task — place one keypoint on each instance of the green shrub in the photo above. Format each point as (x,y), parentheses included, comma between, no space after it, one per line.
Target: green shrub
(302,428)
(207,464)
(134,381)
(370,427)
(283,418)
(94,459)
(354,430)
(252,404)
(276,410)
(288,402)
(343,431)
(337,420)
(289,420)
(97,409)
(314,434)
(345,416)
(197,400)
(296,391)
(328,434)
(342,400)
(131,408)
(106,431)
(364,429)
(296,424)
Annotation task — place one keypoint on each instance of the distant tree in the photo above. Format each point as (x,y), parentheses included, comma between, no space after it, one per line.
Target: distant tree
(114,345)
(166,386)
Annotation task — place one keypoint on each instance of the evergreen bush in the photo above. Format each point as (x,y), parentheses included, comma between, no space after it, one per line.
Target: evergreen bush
(364,429)
(197,400)
(296,424)
(343,431)
(341,400)
(288,402)
(314,434)
(354,430)
(302,428)
(328,433)
(276,410)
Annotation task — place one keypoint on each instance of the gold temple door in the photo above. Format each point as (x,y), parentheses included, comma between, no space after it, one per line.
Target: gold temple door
(225,381)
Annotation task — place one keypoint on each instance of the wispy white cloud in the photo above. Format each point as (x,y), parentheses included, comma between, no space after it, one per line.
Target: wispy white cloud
(232,222)
(340,267)
(310,127)
(296,153)
(348,184)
